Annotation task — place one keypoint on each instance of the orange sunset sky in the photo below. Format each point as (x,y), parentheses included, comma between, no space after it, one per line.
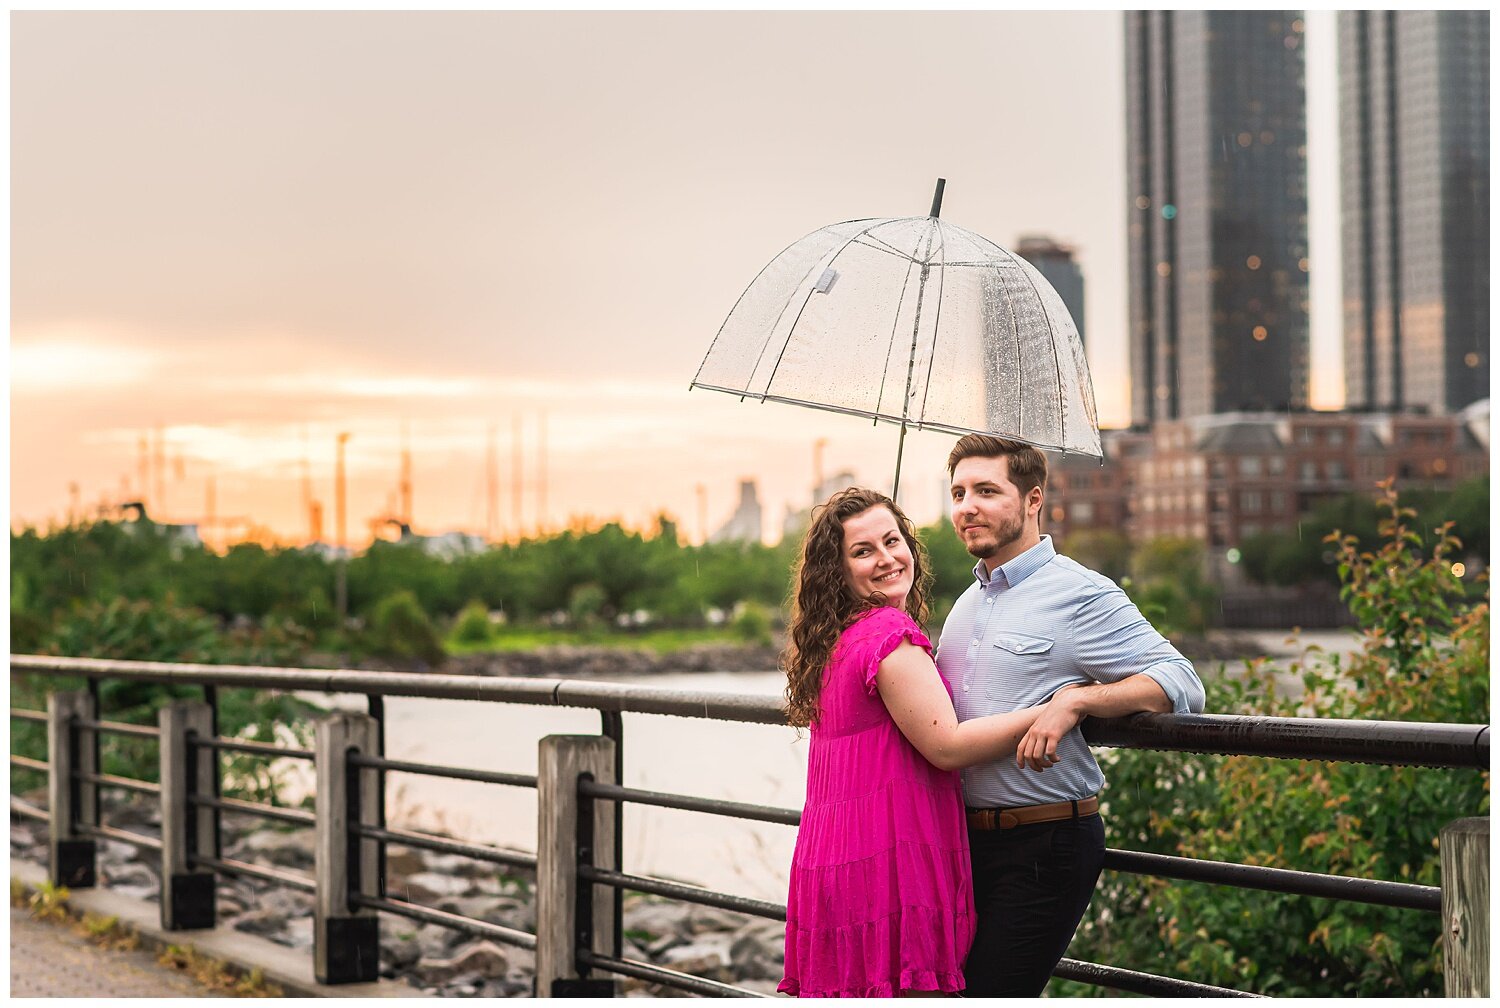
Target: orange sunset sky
(242,234)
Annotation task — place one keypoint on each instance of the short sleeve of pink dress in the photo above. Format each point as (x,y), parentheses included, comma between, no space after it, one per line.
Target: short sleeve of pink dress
(880,898)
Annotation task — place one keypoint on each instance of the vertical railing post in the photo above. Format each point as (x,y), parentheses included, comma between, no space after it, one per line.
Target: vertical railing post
(70,751)
(1464,847)
(346,936)
(567,906)
(613,728)
(187,830)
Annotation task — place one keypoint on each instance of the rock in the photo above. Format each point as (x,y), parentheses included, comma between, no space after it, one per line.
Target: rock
(658,920)
(259,922)
(398,943)
(404,861)
(758,950)
(299,932)
(429,887)
(711,920)
(283,850)
(707,957)
(483,960)
(434,941)
(133,876)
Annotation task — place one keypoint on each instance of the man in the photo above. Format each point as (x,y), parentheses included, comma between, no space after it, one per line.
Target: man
(1038,628)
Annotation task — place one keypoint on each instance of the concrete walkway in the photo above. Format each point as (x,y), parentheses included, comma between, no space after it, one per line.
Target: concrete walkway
(48,960)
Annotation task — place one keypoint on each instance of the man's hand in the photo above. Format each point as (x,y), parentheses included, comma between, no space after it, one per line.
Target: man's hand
(1038,747)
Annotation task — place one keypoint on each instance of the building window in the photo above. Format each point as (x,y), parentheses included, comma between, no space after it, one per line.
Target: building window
(1250,502)
(1276,465)
(1309,471)
(1335,437)
(1278,503)
(1083,512)
(1250,465)
(1336,469)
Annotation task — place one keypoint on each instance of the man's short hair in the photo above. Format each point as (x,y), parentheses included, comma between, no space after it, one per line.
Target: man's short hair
(1025,465)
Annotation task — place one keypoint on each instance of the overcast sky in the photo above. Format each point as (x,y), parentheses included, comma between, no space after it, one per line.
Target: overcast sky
(253,231)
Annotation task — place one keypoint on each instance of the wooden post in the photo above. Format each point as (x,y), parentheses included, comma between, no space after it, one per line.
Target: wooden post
(1465,852)
(70,751)
(346,937)
(187,893)
(564,905)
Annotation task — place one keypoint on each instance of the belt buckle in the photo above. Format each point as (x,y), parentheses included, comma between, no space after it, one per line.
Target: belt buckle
(1006,819)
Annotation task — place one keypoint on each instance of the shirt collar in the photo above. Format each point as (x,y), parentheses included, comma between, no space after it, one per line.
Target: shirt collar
(1018,569)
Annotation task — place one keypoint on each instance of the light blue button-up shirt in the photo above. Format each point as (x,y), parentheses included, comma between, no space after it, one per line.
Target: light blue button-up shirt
(1041,622)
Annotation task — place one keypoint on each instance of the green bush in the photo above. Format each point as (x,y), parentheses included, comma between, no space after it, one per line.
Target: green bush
(166,632)
(1422,659)
(401,629)
(472,625)
(752,624)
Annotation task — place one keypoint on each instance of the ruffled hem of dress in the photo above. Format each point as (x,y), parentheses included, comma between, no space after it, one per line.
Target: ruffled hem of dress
(920,980)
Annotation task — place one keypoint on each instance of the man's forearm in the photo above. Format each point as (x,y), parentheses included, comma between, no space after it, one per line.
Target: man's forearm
(1130,695)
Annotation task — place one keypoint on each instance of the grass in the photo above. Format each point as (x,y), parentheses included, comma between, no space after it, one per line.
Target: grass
(530,638)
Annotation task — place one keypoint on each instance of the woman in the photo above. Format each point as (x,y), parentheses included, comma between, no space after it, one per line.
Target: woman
(881,902)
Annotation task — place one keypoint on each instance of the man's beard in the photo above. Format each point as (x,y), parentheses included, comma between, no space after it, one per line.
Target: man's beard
(1004,536)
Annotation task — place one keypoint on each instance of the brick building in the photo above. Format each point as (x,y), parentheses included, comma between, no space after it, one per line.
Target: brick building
(1223,478)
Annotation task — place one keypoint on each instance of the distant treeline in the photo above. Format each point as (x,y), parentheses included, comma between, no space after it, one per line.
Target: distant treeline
(594,577)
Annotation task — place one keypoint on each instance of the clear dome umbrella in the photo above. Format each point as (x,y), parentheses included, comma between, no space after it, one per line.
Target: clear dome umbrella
(916,322)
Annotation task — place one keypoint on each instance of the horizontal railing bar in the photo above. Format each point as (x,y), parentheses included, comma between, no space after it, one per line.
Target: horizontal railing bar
(738,810)
(662,975)
(1139,983)
(124,783)
(1388,742)
(119,728)
(686,893)
(1393,743)
(541,692)
(299,817)
(443,845)
(455,773)
(479,928)
(27,763)
(26,810)
(25,714)
(1282,880)
(230,866)
(123,836)
(254,748)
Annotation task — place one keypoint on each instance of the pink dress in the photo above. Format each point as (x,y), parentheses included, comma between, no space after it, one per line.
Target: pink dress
(881,897)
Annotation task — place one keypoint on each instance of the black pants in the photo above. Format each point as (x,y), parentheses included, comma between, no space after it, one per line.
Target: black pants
(1031,887)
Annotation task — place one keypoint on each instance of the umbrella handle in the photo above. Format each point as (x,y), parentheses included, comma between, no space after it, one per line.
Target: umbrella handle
(937,198)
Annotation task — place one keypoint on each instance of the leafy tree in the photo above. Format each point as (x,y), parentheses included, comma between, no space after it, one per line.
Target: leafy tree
(1425,657)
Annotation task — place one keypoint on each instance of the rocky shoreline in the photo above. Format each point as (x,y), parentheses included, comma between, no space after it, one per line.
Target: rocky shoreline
(717,944)
(599,661)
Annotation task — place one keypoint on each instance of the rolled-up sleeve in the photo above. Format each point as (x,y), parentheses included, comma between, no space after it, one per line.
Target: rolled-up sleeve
(1113,641)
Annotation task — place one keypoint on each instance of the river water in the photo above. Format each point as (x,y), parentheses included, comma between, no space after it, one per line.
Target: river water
(760,764)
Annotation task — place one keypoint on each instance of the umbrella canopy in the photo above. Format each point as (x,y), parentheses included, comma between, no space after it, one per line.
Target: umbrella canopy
(914,321)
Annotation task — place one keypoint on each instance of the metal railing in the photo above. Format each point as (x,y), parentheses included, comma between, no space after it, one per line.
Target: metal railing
(580,883)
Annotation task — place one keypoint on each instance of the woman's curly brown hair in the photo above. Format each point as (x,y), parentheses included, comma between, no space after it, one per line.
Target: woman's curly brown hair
(823,605)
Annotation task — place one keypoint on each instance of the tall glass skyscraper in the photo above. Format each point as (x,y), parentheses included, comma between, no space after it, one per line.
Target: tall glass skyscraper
(1216,133)
(1414,117)
(1055,261)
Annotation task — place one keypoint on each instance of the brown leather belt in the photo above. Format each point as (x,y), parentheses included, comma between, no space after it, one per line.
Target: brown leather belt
(997,819)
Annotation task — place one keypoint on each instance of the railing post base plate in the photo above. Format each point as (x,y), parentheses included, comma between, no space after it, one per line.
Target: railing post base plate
(73,864)
(583,988)
(192,902)
(353,950)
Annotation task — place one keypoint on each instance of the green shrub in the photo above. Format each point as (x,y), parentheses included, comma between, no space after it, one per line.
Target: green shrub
(472,625)
(1422,659)
(752,623)
(400,628)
